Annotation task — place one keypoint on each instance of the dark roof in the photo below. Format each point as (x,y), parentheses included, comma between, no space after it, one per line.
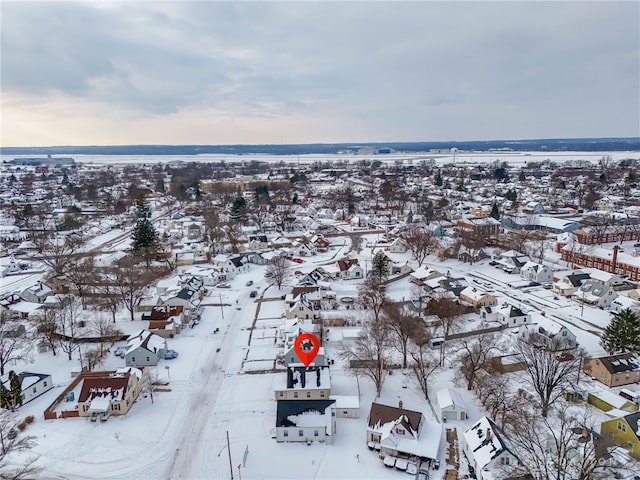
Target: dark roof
(633,419)
(295,291)
(576,279)
(624,362)
(346,264)
(287,408)
(103,387)
(163,312)
(381,414)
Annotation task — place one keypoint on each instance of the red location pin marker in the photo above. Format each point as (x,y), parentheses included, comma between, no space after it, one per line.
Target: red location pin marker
(306,347)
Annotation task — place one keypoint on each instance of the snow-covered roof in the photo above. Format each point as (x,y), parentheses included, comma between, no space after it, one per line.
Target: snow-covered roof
(484,442)
(448,397)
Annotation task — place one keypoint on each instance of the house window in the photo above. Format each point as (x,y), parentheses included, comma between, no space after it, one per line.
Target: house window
(295,394)
(34,390)
(308,394)
(603,376)
(564,333)
(345,412)
(148,359)
(315,433)
(285,433)
(281,394)
(322,394)
(300,433)
(44,383)
(115,406)
(629,446)
(85,408)
(133,359)
(622,427)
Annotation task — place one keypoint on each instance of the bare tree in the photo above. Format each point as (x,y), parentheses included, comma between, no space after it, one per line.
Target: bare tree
(368,355)
(425,361)
(101,328)
(14,442)
(474,242)
(474,354)
(278,270)
(59,253)
(562,446)
(15,343)
(81,275)
(546,376)
(107,297)
(402,326)
(599,225)
(131,279)
(497,396)
(46,328)
(448,312)
(372,296)
(419,240)
(67,319)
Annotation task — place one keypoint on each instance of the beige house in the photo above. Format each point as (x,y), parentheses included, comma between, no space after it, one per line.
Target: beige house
(313,383)
(110,393)
(615,370)
(478,298)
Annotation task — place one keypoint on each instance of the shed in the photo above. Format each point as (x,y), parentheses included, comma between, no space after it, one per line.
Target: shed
(449,405)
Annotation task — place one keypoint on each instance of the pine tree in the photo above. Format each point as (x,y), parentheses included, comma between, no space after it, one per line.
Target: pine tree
(145,236)
(239,209)
(623,333)
(15,392)
(495,213)
(380,265)
(4,397)
(438,179)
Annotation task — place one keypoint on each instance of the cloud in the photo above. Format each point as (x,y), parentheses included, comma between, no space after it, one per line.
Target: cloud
(380,70)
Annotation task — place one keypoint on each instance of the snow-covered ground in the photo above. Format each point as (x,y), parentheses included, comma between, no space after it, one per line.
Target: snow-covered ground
(214,391)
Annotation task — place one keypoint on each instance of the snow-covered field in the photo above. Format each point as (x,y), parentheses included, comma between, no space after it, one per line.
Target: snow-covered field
(216,388)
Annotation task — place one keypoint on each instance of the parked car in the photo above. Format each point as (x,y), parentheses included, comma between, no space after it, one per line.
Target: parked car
(565,357)
(547,285)
(253,294)
(493,263)
(249,283)
(170,354)
(297,260)
(120,352)
(223,285)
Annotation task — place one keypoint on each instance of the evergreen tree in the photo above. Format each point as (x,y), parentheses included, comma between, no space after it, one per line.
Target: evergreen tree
(239,209)
(623,333)
(15,392)
(495,213)
(380,265)
(511,195)
(145,236)
(438,179)
(4,397)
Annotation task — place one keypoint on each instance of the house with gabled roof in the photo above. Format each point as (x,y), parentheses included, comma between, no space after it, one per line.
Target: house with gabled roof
(449,405)
(36,293)
(110,393)
(536,272)
(422,274)
(305,421)
(548,333)
(33,384)
(346,269)
(397,431)
(300,308)
(595,293)
(511,316)
(144,349)
(477,297)
(569,284)
(487,448)
(513,261)
(614,370)
(624,432)
(304,383)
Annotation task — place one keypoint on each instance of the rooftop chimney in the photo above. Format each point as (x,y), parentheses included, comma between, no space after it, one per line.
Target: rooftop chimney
(614,260)
(400,404)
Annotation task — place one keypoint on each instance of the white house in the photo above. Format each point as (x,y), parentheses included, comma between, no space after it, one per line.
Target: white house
(397,431)
(536,272)
(305,421)
(144,349)
(622,303)
(549,333)
(449,405)
(511,316)
(487,448)
(595,293)
(33,384)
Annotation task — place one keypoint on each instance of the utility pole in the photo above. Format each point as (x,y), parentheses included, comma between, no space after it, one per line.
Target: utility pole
(229,452)
(222,313)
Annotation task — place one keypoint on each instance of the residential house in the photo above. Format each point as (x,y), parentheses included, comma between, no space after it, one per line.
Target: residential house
(321,243)
(258,242)
(397,431)
(33,384)
(621,303)
(512,261)
(453,285)
(487,226)
(487,448)
(449,405)
(304,383)
(536,272)
(422,274)
(398,246)
(144,349)
(511,316)
(569,284)
(595,293)
(488,313)
(291,358)
(477,297)
(305,421)
(300,308)
(348,269)
(624,432)
(36,293)
(110,393)
(614,370)
(549,334)
(229,267)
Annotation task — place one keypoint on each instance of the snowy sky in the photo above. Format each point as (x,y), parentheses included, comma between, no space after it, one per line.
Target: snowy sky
(301,72)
